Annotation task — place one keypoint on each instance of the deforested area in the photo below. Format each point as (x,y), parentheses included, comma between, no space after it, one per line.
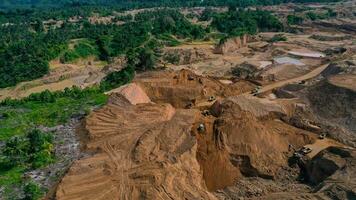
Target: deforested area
(178,100)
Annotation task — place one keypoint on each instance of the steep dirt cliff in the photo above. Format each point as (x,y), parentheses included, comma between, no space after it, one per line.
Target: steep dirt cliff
(230,45)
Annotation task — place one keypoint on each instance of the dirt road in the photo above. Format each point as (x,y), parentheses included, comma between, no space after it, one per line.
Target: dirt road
(320,145)
(309,75)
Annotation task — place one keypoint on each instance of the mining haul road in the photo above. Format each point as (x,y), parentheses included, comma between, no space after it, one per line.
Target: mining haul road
(279,84)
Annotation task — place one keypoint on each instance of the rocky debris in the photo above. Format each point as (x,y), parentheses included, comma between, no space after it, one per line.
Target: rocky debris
(283,94)
(324,165)
(346,81)
(343,67)
(245,70)
(231,45)
(334,104)
(332,170)
(256,187)
(186,88)
(335,50)
(258,46)
(260,108)
(338,25)
(249,139)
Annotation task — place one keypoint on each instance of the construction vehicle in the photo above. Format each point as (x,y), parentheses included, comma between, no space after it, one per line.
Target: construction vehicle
(201,128)
(305,150)
(189,105)
(255,91)
(206,113)
(297,155)
(322,136)
(211,98)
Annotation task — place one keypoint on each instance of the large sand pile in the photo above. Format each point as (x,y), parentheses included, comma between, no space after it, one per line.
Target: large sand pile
(141,151)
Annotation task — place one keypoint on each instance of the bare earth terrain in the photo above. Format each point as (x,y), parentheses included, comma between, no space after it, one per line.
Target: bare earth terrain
(249,119)
(246,119)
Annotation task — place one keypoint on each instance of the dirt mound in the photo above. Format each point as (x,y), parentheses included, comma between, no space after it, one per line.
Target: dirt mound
(141,151)
(132,93)
(256,143)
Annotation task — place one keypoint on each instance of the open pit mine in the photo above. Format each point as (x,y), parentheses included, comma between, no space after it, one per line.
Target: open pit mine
(264,116)
(178,135)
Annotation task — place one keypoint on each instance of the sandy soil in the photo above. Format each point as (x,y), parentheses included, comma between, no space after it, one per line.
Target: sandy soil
(157,149)
(60,77)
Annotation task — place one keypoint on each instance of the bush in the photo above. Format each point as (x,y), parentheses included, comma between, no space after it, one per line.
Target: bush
(168,40)
(278,37)
(294,20)
(41,149)
(32,191)
(116,79)
(15,152)
(69,56)
(172,58)
(84,50)
(35,149)
(236,23)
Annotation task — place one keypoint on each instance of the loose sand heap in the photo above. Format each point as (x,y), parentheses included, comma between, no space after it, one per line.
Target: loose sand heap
(131,92)
(147,144)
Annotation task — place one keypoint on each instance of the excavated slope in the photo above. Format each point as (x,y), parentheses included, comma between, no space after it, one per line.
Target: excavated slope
(145,150)
(333,99)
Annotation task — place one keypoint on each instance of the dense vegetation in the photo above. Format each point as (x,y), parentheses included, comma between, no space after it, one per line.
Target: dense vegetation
(28,48)
(294,20)
(6,4)
(241,22)
(33,150)
(299,17)
(30,151)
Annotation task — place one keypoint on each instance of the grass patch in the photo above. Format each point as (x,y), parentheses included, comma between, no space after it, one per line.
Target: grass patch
(18,119)
(81,49)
